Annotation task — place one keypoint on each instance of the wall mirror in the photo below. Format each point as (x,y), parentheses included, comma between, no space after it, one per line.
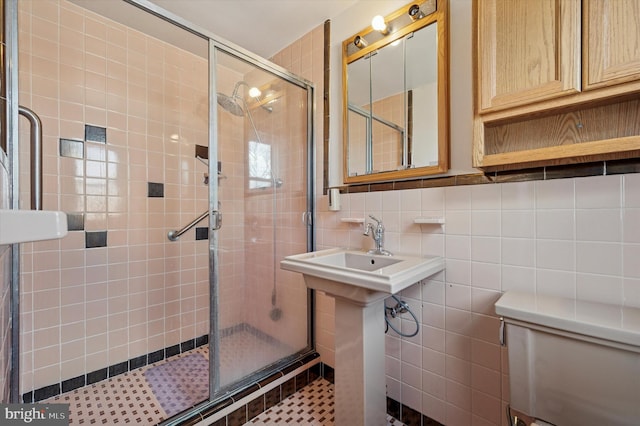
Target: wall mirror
(396,95)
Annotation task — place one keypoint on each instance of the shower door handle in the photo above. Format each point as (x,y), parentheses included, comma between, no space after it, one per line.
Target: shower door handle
(216,220)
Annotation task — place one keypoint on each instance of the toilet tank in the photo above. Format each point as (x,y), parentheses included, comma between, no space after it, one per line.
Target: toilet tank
(572,362)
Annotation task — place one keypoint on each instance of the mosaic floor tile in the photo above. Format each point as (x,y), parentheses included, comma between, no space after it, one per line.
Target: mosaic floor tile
(126,398)
(313,405)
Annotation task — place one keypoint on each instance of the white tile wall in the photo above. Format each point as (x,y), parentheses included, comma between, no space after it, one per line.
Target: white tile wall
(577,238)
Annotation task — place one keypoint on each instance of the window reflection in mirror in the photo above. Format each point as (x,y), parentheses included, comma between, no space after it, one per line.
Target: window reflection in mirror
(396,98)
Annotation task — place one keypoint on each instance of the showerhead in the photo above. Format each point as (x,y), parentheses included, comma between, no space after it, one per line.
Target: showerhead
(230,103)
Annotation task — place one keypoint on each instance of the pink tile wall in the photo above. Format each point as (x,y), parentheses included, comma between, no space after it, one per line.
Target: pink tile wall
(85,309)
(576,238)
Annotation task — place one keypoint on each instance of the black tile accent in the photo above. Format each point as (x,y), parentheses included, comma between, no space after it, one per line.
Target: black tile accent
(315,371)
(137,362)
(202,340)
(623,166)
(237,417)
(188,345)
(575,170)
(302,380)
(439,182)
(411,417)
(75,221)
(290,368)
(96,376)
(27,398)
(71,384)
(245,392)
(156,356)
(220,422)
(519,175)
(46,392)
(272,397)
(255,407)
(71,148)
(94,239)
(428,421)
(610,167)
(329,373)
(119,368)
(393,408)
(210,411)
(172,350)
(95,133)
(202,233)
(155,190)
(264,382)
(193,420)
(288,388)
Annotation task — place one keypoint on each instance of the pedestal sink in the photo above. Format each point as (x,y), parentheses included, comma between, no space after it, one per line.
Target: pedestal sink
(360,282)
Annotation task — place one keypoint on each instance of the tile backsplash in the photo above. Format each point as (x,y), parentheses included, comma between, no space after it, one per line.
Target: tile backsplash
(574,237)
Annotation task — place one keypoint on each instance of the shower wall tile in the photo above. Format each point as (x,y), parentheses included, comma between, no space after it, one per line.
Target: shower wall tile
(92,79)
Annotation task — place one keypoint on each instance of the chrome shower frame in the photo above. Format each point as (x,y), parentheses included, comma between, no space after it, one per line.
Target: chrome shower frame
(216,392)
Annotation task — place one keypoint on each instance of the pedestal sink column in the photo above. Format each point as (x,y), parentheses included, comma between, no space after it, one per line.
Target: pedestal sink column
(360,388)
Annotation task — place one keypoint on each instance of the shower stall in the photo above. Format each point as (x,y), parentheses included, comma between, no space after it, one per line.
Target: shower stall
(184,164)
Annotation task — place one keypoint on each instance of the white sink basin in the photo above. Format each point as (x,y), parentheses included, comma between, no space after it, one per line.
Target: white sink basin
(357,275)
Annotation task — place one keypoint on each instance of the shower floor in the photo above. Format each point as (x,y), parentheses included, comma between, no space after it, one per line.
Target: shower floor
(157,391)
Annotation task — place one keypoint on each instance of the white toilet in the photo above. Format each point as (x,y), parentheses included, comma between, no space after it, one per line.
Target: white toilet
(572,362)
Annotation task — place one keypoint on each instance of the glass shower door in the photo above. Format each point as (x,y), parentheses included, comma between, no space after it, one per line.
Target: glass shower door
(260,313)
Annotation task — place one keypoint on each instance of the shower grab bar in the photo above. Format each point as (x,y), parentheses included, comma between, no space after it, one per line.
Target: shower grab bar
(174,235)
(36,156)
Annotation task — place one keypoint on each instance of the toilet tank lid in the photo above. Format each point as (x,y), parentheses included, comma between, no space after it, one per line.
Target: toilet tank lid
(611,322)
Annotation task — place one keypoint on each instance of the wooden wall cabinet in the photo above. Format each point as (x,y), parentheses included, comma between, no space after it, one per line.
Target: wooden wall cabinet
(556,82)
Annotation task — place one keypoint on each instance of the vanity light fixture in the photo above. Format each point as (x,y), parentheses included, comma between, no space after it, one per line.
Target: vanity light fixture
(415,13)
(378,23)
(360,42)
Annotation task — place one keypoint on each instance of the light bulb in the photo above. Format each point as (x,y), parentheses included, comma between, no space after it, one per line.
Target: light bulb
(378,24)
(254,92)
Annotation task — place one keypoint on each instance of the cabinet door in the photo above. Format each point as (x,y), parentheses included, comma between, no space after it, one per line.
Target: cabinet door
(611,45)
(527,51)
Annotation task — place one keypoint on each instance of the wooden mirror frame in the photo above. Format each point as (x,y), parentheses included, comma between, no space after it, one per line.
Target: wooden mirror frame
(375,41)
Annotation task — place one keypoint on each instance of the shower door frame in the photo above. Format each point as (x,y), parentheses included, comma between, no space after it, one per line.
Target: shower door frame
(216,392)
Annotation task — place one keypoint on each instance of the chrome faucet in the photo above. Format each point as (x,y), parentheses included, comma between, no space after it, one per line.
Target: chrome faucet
(378,236)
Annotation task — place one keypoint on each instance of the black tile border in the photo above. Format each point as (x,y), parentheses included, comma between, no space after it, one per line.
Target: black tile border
(599,168)
(112,370)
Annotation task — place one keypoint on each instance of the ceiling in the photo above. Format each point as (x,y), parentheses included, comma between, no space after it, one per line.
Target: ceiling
(260,26)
